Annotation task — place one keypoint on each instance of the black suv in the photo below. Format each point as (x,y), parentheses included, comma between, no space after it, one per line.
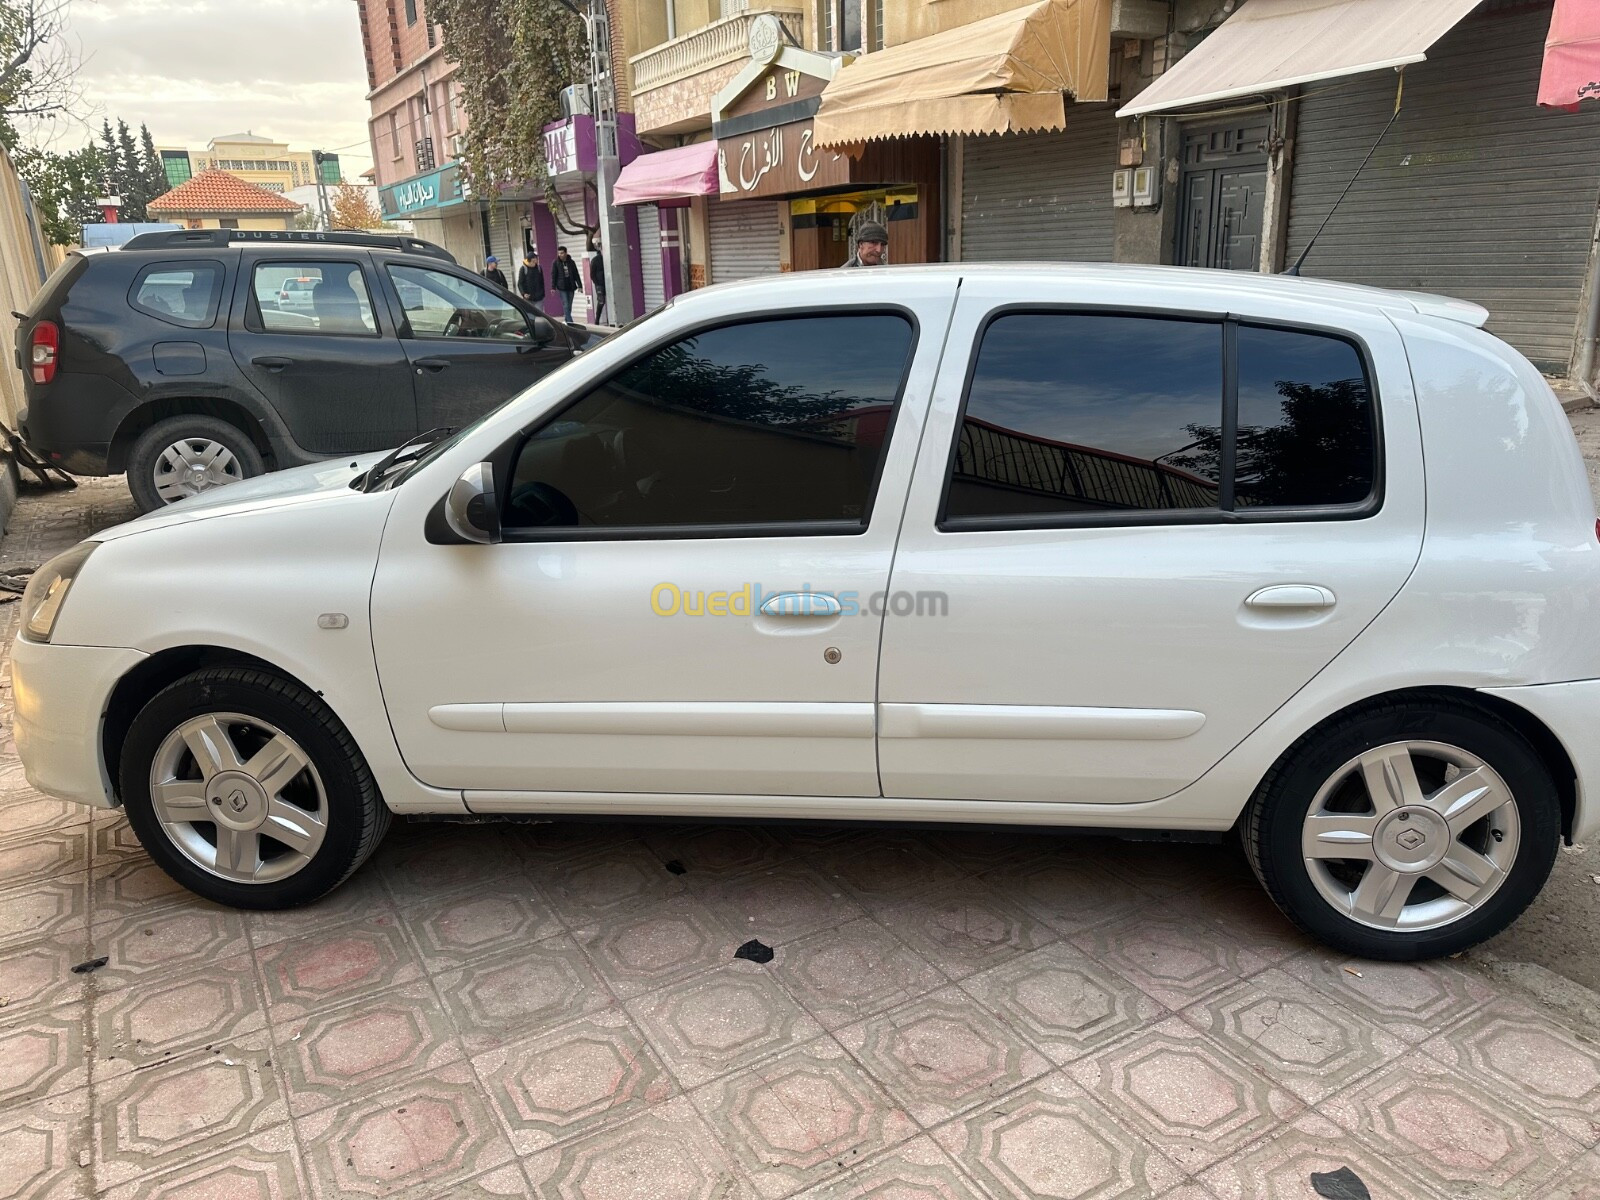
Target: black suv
(194,358)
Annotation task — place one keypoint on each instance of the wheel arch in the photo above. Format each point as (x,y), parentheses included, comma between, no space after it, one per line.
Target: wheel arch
(218,407)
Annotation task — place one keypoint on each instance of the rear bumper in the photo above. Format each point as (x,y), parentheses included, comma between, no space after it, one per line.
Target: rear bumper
(61,693)
(1569,710)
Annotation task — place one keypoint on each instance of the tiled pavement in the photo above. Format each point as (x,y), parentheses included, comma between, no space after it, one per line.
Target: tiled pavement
(548,1010)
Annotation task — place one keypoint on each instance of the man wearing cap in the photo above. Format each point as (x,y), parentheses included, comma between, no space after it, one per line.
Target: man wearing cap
(530,279)
(872,244)
(492,271)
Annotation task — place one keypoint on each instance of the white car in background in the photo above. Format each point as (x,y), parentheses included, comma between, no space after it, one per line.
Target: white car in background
(1133,549)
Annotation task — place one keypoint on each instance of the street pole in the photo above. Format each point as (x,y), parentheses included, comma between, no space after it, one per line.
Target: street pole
(613,229)
(322,191)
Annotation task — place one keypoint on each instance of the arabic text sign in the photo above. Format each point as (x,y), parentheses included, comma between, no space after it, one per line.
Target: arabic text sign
(778,161)
(433,190)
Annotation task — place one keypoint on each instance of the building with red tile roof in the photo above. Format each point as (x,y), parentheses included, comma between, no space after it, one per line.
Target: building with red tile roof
(216,199)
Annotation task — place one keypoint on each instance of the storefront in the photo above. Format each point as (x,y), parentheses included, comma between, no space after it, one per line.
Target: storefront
(659,186)
(436,204)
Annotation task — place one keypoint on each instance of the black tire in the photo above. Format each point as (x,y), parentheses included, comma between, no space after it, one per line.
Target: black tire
(144,458)
(356,816)
(1272,826)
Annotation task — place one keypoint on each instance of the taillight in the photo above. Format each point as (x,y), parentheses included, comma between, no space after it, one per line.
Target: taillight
(46,347)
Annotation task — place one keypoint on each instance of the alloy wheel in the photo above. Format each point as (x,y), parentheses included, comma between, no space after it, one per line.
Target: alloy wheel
(1411,836)
(192,466)
(239,797)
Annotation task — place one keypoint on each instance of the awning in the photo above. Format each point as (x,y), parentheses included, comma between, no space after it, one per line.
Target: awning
(1272,44)
(668,175)
(1571,56)
(1004,74)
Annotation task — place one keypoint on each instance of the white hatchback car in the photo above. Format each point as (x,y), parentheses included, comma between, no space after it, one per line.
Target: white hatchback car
(1132,549)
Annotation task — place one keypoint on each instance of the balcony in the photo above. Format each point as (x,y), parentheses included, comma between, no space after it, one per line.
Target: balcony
(673,83)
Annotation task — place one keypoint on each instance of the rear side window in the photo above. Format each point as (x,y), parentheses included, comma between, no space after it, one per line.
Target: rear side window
(179,293)
(1071,416)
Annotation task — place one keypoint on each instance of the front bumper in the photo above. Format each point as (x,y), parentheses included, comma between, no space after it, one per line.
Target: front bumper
(61,694)
(1569,711)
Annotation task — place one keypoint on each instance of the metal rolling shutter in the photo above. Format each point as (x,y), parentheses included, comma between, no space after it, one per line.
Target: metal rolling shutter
(744,239)
(650,256)
(1041,195)
(1476,192)
(504,239)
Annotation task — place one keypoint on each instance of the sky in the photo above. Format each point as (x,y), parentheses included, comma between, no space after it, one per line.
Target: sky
(198,69)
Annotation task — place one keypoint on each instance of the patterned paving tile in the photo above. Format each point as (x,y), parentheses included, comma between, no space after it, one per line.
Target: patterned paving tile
(29,814)
(666,1153)
(39,974)
(136,887)
(463,928)
(1293,1035)
(1244,911)
(1581,1182)
(40,1148)
(424,1135)
(649,948)
(168,940)
(942,1055)
(1051,1141)
(441,860)
(216,1003)
(886,865)
(1069,893)
(42,910)
(497,1000)
(709,852)
(114,840)
(778,905)
(1412,1001)
(917,1170)
(984,850)
(558,841)
(1170,955)
(593,1073)
(1166,868)
(1448,1133)
(262,1167)
(502,1183)
(362,897)
(1185,1093)
(42,1056)
(1062,1001)
(801,1117)
(375,1041)
(842,975)
(45,855)
(173,1113)
(726,1020)
(334,965)
(614,880)
(965,928)
(1515,1052)
(1280,1167)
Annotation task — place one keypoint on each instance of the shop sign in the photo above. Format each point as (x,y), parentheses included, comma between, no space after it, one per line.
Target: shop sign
(423,193)
(777,162)
(569,146)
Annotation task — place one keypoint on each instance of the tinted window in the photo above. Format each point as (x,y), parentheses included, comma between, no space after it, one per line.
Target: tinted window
(438,304)
(1076,413)
(182,294)
(1305,421)
(313,297)
(771,422)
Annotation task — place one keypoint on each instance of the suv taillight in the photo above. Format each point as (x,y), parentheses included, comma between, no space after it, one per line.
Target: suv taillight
(45,348)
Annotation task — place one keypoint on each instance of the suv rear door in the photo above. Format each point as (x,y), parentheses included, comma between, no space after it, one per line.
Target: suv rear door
(333,369)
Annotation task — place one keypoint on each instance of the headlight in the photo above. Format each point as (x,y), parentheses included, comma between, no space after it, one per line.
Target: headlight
(47,591)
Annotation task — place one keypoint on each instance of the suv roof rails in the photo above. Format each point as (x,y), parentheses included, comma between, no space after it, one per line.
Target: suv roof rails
(222,238)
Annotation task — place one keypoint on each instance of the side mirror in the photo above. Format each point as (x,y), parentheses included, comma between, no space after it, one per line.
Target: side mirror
(472,510)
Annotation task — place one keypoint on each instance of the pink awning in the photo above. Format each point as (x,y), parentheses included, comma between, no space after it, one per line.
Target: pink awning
(669,175)
(1571,56)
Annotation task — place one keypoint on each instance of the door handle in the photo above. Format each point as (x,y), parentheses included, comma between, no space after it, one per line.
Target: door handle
(431,364)
(1291,595)
(800,604)
(272,362)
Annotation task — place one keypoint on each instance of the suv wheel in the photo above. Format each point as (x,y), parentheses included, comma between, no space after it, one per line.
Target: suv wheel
(184,456)
(245,788)
(1407,831)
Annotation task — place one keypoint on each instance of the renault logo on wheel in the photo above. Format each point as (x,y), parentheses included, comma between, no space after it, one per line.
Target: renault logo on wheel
(1411,839)
(237,800)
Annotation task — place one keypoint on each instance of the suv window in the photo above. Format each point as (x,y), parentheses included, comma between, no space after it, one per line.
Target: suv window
(312,297)
(438,304)
(778,423)
(1073,414)
(179,293)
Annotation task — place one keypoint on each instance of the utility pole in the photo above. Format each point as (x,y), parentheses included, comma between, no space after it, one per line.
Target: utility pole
(324,213)
(613,230)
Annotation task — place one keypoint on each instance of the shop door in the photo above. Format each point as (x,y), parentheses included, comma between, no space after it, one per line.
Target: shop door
(1221,193)
(744,239)
(650,256)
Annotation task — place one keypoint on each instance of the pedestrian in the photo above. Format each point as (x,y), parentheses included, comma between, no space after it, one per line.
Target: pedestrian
(597,275)
(530,280)
(493,273)
(872,244)
(565,279)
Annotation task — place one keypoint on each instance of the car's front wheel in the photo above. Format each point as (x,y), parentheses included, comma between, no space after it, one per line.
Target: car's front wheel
(1407,830)
(184,456)
(248,790)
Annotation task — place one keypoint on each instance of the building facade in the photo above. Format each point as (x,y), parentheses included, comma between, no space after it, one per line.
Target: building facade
(217,200)
(256,160)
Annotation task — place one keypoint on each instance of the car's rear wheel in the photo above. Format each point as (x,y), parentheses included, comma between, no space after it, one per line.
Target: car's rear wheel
(1406,831)
(248,790)
(187,455)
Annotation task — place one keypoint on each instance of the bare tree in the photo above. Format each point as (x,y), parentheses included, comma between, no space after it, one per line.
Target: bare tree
(38,63)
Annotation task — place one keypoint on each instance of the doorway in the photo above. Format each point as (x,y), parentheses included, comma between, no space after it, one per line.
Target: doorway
(1222,190)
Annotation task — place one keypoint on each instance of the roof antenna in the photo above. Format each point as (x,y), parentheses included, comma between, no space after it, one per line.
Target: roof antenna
(1399,91)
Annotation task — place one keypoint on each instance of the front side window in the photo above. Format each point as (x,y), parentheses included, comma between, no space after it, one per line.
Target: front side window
(313,297)
(179,293)
(438,304)
(1075,414)
(763,426)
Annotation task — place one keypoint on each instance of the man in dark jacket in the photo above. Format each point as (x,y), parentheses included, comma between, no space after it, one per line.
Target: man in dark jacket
(530,280)
(493,273)
(565,279)
(872,244)
(597,275)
